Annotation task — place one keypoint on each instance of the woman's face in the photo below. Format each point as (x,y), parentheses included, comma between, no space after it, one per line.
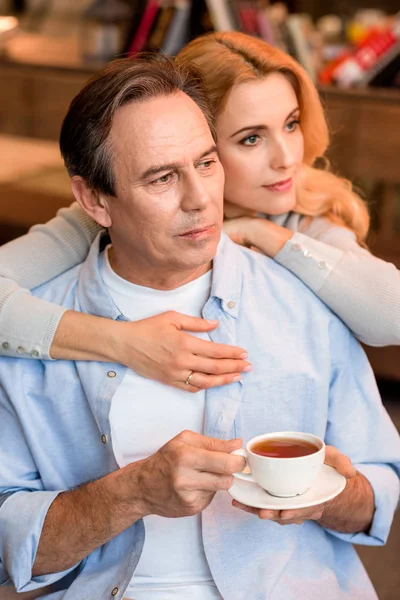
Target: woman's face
(261,145)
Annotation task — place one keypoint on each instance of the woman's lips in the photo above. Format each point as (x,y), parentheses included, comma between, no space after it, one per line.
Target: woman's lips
(280,186)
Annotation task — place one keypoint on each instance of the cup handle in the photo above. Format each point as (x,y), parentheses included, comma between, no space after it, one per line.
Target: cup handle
(241,475)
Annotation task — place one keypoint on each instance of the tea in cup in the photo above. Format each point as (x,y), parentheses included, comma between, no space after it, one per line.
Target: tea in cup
(284,463)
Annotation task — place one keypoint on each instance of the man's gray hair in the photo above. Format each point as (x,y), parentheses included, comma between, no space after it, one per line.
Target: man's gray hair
(86,127)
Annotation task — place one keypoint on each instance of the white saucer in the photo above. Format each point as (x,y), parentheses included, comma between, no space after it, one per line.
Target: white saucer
(328,485)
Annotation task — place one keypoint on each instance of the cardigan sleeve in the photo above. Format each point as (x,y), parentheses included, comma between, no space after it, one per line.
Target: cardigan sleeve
(28,324)
(363,290)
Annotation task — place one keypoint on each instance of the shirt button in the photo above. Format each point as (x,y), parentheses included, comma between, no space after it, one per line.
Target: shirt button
(111,374)
(104,438)
(115,591)
(20,349)
(296,247)
(5,345)
(322,264)
(231,304)
(35,353)
(307,254)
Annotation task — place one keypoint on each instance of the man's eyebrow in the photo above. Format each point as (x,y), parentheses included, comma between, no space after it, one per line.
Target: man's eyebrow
(263,127)
(212,150)
(174,166)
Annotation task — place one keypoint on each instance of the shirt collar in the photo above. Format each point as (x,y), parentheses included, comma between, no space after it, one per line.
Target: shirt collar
(93,296)
(228,275)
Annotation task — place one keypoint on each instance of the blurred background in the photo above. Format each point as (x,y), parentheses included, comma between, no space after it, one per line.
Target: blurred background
(351,49)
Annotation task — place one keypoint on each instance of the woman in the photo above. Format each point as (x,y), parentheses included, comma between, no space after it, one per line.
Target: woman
(271,130)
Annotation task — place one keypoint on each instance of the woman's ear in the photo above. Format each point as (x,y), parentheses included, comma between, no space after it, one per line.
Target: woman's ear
(94,203)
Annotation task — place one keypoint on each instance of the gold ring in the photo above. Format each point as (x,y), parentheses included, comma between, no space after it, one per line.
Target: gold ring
(189,379)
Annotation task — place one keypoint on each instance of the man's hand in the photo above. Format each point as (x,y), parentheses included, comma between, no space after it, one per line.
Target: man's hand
(177,481)
(182,478)
(351,511)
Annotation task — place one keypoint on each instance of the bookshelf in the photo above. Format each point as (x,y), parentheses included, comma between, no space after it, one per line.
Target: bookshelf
(316,8)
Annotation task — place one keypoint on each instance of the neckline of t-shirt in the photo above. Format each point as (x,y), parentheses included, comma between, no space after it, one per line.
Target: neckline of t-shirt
(127,288)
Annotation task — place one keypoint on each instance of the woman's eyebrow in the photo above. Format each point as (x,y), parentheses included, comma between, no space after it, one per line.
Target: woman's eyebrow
(248,128)
(263,127)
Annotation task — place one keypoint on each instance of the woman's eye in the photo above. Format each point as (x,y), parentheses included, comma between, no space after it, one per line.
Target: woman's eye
(251,140)
(292,126)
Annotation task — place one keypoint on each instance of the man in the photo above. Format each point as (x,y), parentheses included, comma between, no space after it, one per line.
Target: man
(99,466)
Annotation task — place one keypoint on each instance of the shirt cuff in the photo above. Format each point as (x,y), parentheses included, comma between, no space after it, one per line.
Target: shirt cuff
(311,260)
(386,486)
(21,521)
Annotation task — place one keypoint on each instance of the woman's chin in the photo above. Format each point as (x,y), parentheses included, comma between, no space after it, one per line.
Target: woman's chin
(261,200)
(278,203)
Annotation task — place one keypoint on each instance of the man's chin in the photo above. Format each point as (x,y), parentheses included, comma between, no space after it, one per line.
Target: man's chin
(201,253)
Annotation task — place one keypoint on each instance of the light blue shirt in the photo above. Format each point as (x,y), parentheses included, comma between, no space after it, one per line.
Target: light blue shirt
(309,374)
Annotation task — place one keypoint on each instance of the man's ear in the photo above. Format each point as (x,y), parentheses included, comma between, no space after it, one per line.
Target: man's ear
(92,202)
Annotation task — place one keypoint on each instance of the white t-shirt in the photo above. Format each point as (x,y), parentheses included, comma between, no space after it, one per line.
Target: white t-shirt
(144,415)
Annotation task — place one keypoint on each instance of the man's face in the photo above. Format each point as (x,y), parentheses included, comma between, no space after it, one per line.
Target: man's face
(167,214)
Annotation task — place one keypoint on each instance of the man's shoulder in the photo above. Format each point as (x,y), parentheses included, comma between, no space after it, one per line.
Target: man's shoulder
(61,289)
(265,271)
(266,278)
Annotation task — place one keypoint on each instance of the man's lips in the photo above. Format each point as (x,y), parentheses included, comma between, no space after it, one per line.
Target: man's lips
(281,186)
(198,232)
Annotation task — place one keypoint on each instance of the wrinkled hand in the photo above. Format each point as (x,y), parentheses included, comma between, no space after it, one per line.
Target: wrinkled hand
(182,478)
(160,348)
(314,513)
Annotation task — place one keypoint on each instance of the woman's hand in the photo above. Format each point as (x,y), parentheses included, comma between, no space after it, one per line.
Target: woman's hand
(160,348)
(257,233)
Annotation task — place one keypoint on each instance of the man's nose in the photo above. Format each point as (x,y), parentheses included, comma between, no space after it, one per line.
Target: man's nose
(282,156)
(194,193)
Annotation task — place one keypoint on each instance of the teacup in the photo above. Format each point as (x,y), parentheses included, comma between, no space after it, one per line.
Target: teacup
(284,463)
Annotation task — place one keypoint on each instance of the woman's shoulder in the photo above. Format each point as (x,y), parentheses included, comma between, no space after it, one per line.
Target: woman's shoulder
(291,220)
(315,227)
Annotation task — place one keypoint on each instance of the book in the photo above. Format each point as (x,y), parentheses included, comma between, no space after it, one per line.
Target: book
(374,49)
(299,27)
(178,32)
(136,17)
(385,70)
(265,27)
(160,27)
(248,17)
(221,15)
(144,28)
(388,75)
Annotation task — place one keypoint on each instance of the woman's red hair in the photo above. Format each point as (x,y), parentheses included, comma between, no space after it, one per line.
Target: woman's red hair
(230,58)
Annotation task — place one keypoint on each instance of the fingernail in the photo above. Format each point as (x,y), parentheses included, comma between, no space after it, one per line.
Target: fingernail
(237,378)
(248,368)
(244,355)
(212,321)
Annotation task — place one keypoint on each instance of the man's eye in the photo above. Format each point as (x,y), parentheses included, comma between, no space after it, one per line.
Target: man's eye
(292,126)
(250,140)
(207,164)
(163,179)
